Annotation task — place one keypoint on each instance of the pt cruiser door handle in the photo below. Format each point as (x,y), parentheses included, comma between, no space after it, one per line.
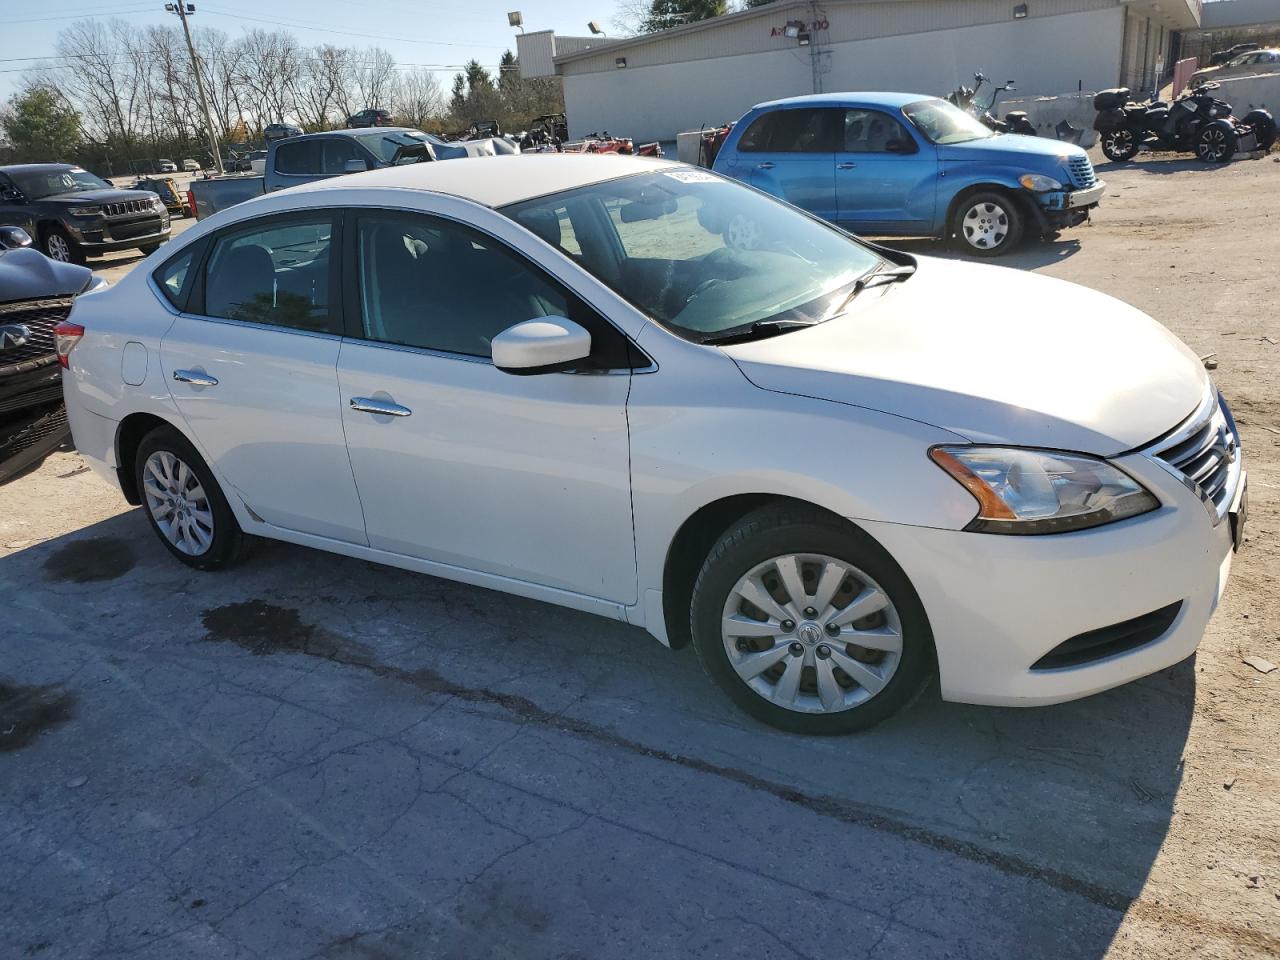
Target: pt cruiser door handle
(845,166)
(767,165)
(369,405)
(195,377)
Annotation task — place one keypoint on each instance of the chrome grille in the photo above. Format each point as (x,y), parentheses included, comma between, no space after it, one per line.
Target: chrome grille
(1081,171)
(39,317)
(124,208)
(1205,454)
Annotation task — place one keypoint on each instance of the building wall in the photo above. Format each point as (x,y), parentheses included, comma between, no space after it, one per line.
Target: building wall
(1046,55)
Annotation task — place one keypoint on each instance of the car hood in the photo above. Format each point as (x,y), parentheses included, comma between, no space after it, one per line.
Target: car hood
(994,355)
(27,274)
(80,198)
(1005,147)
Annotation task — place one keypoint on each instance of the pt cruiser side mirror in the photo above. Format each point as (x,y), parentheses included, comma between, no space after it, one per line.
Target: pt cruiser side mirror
(12,238)
(545,345)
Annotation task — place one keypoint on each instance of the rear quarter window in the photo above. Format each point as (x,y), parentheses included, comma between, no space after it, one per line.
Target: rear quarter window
(173,277)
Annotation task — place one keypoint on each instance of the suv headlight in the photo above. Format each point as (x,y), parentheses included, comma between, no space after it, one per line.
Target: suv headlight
(1039,183)
(158,204)
(1024,491)
(84,211)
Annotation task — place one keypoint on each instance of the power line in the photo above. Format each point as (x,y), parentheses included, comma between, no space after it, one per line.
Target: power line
(348,33)
(85,14)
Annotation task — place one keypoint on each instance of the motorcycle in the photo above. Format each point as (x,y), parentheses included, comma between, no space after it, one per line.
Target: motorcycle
(966,98)
(1194,123)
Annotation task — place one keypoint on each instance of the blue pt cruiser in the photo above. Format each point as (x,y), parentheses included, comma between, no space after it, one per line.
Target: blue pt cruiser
(908,165)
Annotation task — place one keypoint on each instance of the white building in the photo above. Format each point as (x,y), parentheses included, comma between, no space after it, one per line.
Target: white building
(650,87)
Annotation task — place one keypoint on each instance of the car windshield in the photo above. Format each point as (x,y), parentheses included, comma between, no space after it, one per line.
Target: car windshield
(385,145)
(701,254)
(944,122)
(35,184)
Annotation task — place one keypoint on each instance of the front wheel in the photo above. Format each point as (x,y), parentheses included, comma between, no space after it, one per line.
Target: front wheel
(808,624)
(1216,143)
(59,246)
(1264,128)
(1120,145)
(988,224)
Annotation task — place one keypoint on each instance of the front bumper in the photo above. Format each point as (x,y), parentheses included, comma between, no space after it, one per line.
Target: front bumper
(997,604)
(105,236)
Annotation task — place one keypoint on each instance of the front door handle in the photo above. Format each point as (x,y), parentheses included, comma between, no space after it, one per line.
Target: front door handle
(369,405)
(767,165)
(847,165)
(196,377)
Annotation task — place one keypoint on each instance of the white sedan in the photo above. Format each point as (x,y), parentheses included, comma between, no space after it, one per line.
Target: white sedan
(833,468)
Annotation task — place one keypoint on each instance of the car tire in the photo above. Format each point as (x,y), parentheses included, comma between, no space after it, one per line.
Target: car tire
(1264,128)
(1120,146)
(1216,143)
(988,224)
(57,244)
(805,688)
(171,476)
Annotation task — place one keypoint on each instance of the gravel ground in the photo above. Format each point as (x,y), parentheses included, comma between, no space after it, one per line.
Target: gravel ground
(311,756)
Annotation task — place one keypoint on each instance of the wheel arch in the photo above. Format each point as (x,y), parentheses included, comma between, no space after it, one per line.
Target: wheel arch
(129,436)
(693,541)
(1031,213)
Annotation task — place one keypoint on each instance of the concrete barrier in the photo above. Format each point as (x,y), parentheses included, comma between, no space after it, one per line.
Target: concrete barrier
(1045,113)
(1250,93)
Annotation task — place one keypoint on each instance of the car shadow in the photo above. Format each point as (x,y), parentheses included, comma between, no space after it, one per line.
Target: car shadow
(1166,164)
(1066,806)
(1031,255)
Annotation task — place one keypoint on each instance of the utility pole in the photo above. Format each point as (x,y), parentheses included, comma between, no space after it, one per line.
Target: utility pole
(183,9)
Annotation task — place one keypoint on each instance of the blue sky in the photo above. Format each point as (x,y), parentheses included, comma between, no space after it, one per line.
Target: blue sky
(440,33)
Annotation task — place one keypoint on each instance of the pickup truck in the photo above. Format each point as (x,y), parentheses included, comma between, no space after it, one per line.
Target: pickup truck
(316,156)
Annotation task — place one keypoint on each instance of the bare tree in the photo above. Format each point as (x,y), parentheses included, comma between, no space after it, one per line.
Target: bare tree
(419,98)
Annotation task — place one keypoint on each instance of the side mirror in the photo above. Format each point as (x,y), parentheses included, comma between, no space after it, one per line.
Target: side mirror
(547,345)
(12,238)
(355,166)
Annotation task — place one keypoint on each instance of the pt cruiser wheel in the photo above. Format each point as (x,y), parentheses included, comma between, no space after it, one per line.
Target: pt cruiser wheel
(988,224)
(808,624)
(183,502)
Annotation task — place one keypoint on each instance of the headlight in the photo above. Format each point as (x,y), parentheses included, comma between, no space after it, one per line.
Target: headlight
(1039,183)
(1042,491)
(158,204)
(84,211)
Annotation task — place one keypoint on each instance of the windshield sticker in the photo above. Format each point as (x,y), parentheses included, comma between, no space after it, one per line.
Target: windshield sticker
(691,176)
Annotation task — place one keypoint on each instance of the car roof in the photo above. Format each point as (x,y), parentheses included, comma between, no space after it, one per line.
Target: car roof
(34,167)
(356,132)
(856,98)
(497,181)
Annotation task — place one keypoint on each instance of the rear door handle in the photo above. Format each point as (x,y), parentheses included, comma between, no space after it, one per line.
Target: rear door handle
(369,405)
(767,165)
(848,165)
(196,377)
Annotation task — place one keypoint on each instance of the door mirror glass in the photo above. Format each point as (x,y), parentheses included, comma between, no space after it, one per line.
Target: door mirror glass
(355,166)
(545,345)
(11,238)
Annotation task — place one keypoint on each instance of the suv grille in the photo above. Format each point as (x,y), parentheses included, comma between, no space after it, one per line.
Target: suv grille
(39,317)
(124,208)
(1082,175)
(1205,453)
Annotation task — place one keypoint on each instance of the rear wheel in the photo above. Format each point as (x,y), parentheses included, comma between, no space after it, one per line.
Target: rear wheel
(808,624)
(988,224)
(1120,145)
(1264,128)
(184,504)
(1215,143)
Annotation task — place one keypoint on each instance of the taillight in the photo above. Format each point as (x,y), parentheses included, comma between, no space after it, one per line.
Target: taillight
(65,336)
(191,202)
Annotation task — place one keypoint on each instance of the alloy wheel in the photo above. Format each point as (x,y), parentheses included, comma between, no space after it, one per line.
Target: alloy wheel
(811,634)
(57,248)
(1213,145)
(178,503)
(1119,145)
(985,225)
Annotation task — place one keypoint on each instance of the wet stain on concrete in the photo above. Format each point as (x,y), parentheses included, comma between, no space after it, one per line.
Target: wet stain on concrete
(89,561)
(264,628)
(27,712)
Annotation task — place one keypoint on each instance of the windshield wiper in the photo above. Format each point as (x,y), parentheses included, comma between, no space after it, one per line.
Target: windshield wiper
(876,277)
(758,331)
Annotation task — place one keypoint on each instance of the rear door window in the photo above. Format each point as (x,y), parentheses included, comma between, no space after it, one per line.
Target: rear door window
(303,157)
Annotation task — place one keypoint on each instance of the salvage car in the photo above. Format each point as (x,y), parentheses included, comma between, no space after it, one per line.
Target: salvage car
(1245,65)
(832,467)
(905,165)
(73,214)
(35,295)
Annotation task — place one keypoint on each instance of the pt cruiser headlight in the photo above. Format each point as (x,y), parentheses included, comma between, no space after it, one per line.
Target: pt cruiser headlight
(1038,183)
(1042,491)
